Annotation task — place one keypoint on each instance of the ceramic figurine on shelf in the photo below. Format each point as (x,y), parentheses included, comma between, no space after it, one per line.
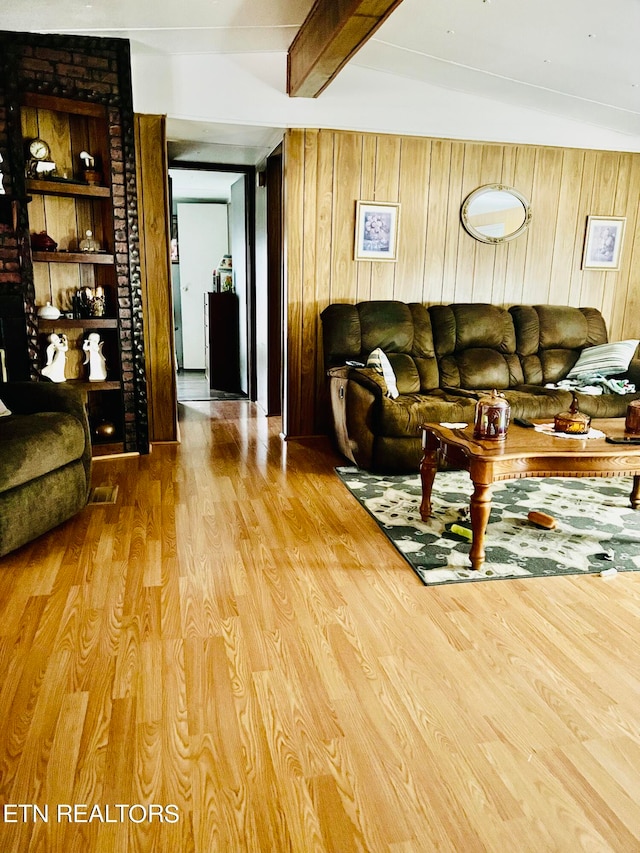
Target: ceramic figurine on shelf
(97,303)
(81,301)
(88,244)
(2,189)
(56,358)
(91,173)
(92,346)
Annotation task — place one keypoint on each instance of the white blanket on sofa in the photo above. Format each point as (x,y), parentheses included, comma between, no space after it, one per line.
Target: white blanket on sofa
(595,385)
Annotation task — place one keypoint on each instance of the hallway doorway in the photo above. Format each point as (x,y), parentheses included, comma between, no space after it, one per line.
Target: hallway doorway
(212,267)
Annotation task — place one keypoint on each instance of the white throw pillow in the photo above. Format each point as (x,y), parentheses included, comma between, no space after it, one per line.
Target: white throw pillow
(381,364)
(4,412)
(604,359)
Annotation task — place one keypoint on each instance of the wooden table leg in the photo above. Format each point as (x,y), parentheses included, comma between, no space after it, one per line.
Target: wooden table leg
(480,511)
(428,468)
(635,492)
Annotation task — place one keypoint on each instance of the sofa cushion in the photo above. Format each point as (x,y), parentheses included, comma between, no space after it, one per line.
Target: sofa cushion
(467,325)
(475,345)
(549,338)
(562,326)
(604,360)
(406,372)
(33,445)
(379,362)
(480,369)
(388,325)
(352,332)
(341,333)
(532,401)
(423,351)
(403,332)
(403,416)
(605,405)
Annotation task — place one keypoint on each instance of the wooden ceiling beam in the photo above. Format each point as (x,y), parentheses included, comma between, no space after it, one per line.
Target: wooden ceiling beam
(332,33)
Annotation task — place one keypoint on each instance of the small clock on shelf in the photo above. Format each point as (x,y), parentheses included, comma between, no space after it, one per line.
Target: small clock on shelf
(39,162)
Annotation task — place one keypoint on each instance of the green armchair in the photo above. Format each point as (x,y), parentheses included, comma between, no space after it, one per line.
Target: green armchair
(45,459)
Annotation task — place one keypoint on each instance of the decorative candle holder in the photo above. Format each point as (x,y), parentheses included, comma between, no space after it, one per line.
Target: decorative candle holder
(632,420)
(573,421)
(492,417)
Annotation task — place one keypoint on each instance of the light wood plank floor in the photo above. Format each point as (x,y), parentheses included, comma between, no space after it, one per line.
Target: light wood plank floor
(237,639)
(193,385)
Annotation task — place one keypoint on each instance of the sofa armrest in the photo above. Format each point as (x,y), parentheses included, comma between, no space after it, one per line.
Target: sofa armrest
(369,379)
(633,372)
(26,398)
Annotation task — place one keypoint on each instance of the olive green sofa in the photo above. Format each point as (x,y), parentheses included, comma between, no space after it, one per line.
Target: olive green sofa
(45,459)
(444,357)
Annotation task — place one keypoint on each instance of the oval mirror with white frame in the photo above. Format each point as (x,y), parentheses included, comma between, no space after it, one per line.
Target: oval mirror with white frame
(495,213)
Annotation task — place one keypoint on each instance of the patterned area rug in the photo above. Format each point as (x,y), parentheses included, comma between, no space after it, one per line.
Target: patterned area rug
(596,527)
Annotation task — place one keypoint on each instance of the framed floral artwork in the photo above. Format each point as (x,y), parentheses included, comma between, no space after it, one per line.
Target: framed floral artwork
(603,242)
(376,231)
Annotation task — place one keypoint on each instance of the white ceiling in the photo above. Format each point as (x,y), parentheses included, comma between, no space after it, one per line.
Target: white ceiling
(192,184)
(576,58)
(573,57)
(213,142)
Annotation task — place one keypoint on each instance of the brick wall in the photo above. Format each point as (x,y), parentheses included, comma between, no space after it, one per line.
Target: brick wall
(88,69)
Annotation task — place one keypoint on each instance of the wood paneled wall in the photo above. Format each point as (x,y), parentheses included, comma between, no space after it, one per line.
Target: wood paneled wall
(438,262)
(155,270)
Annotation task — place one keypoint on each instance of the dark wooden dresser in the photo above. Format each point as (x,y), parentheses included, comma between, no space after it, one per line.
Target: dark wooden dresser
(222,341)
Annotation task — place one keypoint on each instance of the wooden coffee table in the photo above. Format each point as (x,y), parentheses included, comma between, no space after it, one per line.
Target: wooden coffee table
(524,453)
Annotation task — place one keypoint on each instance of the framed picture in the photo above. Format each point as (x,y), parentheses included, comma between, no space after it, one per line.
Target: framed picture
(603,242)
(376,231)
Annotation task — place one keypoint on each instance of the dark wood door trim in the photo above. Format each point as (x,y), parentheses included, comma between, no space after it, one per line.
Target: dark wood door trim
(275,281)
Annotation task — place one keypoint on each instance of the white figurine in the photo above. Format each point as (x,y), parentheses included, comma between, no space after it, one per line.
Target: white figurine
(56,358)
(92,346)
